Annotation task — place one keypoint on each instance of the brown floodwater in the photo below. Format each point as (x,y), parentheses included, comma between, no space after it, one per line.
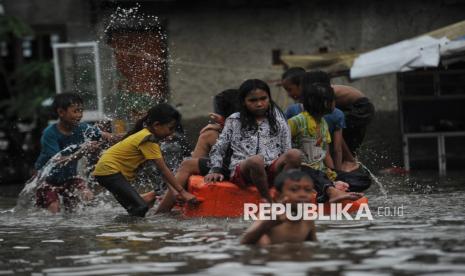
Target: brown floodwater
(427,238)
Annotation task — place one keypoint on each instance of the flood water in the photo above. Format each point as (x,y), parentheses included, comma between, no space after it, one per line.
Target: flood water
(428,239)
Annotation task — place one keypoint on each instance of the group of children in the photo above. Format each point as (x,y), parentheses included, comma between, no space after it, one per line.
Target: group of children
(251,143)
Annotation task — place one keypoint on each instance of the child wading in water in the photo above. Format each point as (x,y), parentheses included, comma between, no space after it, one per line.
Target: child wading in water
(294,187)
(117,166)
(63,179)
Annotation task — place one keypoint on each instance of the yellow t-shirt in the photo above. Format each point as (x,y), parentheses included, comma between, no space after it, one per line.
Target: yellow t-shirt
(125,156)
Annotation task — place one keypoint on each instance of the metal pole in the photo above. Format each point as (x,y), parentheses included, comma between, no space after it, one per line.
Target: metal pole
(98,81)
(56,68)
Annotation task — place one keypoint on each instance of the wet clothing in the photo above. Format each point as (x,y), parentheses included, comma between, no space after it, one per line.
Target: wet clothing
(311,137)
(124,193)
(358,115)
(358,181)
(125,156)
(53,141)
(243,181)
(47,193)
(118,165)
(320,181)
(335,120)
(204,167)
(247,143)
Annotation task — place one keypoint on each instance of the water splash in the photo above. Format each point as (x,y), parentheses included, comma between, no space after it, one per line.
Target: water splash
(375,179)
(26,198)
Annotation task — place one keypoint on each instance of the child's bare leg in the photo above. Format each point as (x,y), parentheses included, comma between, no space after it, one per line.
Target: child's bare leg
(349,163)
(149,198)
(291,159)
(254,169)
(187,168)
(54,207)
(204,143)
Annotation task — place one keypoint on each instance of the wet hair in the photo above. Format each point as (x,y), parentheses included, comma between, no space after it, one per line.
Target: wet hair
(293,174)
(294,75)
(317,99)
(248,121)
(226,102)
(315,76)
(162,113)
(65,100)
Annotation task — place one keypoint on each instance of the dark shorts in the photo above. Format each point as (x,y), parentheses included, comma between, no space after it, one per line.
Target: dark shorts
(358,115)
(358,180)
(47,193)
(204,168)
(124,193)
(243,181)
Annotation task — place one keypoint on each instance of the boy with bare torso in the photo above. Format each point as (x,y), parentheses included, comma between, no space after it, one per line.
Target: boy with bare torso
(295,187)
(357,108)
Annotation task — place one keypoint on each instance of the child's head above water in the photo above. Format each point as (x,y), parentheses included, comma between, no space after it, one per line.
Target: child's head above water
(290,81)
(68,108)
(161,120)
(295,185)
(318,99)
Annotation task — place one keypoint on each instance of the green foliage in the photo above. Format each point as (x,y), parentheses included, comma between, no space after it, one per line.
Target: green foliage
(10,25)
(33,84)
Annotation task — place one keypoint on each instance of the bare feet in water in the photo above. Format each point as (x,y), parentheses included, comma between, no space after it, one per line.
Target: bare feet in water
(336,195)
(149,198)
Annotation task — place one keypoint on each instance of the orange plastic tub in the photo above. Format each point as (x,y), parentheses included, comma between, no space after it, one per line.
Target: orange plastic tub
(225,199)
(221,199)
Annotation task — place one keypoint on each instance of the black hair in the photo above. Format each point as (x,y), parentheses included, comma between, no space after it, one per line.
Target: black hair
(162,113)
(317,99)
(315,76)
(65,100)
(248,121)
(292,174)
(294,75)
(226,102)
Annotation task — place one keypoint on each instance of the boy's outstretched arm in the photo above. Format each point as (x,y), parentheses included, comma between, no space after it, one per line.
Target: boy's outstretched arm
(312,233)
(112,138)
(256,231)
(83,149)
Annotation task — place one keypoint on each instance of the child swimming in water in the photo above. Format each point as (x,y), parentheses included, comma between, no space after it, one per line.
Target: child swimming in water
(294,187)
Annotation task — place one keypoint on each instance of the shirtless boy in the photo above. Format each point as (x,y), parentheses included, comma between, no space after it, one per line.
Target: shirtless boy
(295,187)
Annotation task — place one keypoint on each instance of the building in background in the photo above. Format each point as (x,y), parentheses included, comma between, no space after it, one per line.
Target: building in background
(208,46)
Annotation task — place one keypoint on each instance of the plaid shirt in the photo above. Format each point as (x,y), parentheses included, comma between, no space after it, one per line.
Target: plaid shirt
(246,143)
